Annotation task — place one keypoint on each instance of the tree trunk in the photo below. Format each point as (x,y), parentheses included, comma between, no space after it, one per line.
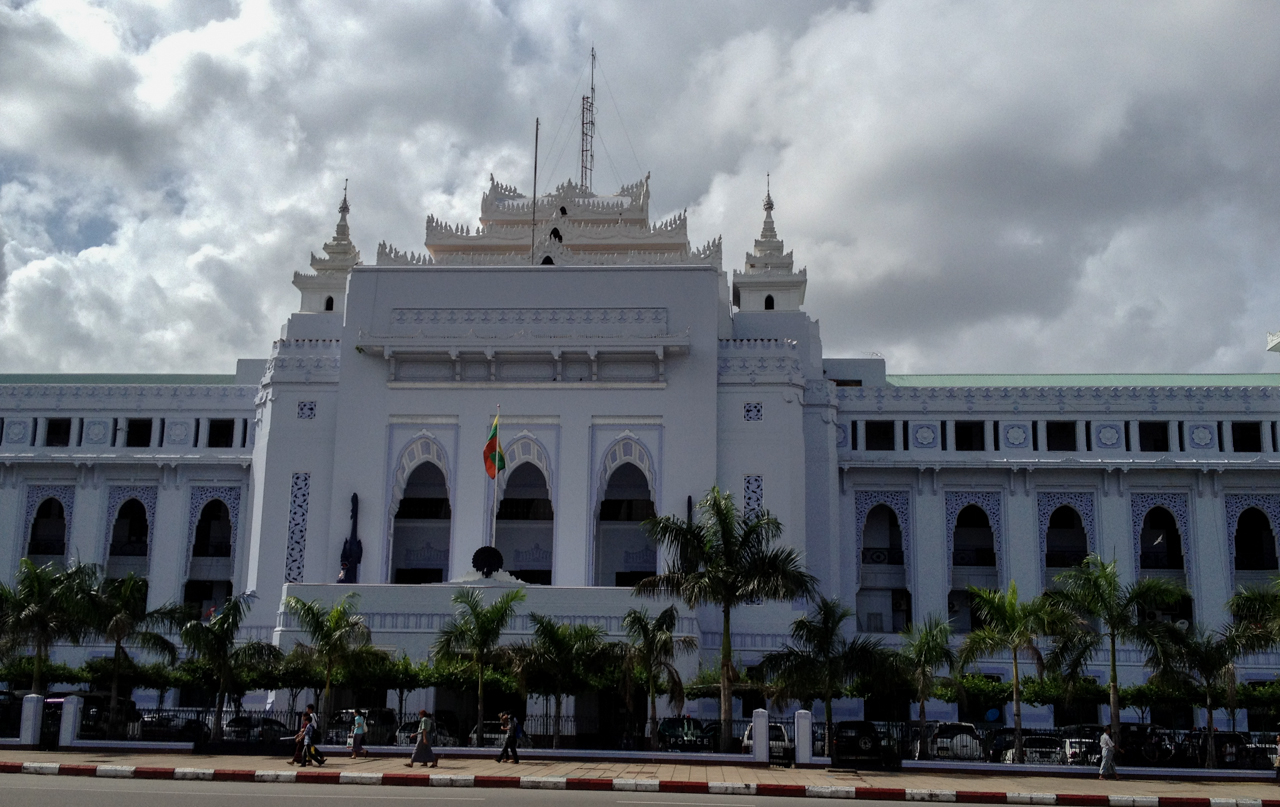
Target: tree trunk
(325,706)
(653,715)
(480,709)
(826,729)
(37,669)
(920,754)
(115,687)
(726,691)
(1211,756)
(1115,690)
(1017,711)
(217,709)
(555,728)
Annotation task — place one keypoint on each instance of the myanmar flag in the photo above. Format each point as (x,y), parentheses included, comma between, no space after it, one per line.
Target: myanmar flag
(494,459)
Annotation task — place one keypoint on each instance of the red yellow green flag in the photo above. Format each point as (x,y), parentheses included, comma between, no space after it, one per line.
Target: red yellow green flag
(494,459)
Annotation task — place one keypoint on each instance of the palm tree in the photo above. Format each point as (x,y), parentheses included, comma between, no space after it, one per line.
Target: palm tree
(1204,660)
(472,635)
(121,615)
(820,660)
(297,671)
(1099,609)
(339,638)
(214,643)
(46,605)
(1013,626)
(925,649)
(652,653)
(556,659)
(725,559)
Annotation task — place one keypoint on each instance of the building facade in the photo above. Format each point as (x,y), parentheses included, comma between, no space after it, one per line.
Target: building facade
(632,373)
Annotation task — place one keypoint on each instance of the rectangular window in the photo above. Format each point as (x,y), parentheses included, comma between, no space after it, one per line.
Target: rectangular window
(1182,435)
(853,435)
(995,435)
(969,436)
(1246,438)
(222,433)
(879,435)
(137,433)
(1088,435)
(58,432)
(944,435)
(906,440)
(1060,435)
(1153,435)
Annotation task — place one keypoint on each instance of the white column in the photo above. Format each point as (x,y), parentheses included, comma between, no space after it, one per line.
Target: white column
(42,431)
(1021,559)
(156,436)
(1171,429)
(1134,440)
(13,530)
(1228,443)
(804,737)
(1038,439)
(759,735)
(1208,575)
(988,435)
(929,558)
(204,433)
(75,432)
(70,728)
(168,558)
(1080,437)
(237,432)
(897,436)
(86,534)
(860,428)
(32,716)
(1267,446)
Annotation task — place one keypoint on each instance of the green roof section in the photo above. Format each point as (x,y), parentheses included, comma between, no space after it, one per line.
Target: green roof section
(1086,380)
(140,379)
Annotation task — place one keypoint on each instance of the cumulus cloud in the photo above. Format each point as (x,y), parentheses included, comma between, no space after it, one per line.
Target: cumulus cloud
(988,186)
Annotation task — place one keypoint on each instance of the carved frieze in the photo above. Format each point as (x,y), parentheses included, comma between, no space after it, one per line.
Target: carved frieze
(507,322)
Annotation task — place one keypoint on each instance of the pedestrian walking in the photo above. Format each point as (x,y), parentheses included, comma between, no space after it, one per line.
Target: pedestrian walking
(1278,758)
(422,750)
(357,735)
(299,747)
(511,725)
(1108,766)
(312,751)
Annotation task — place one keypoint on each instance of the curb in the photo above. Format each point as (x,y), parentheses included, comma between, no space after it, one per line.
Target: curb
(628,785)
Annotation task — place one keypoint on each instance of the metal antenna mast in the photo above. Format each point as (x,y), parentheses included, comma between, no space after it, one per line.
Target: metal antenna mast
(589,128)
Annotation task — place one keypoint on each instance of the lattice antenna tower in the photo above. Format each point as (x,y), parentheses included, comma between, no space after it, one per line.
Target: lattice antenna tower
(589,128)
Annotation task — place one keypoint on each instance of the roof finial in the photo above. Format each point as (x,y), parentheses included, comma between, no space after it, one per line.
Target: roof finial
(768,197)
(344,208)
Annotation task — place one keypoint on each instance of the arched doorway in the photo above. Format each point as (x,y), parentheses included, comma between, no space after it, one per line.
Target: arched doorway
(209,580)
(421,533)
(625,554)
(128,551)
(1160,541)
(1255,542)
(884,602)
(1066,543)
(526,525)
(47,542)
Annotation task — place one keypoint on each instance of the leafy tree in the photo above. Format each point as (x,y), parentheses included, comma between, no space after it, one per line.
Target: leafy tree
(214,644)
(820,661)
(556,661)
(650,654)
(1012,626)
(398,674)
(926,648)
(339,638)
(1205,662)
(122,617)
(158,676)
(46,605)
(1100,611)
(472,635)
(725,559)
(297,671)
(20,671)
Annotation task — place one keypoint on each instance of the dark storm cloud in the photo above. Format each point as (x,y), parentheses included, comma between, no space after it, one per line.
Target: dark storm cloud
(988,186)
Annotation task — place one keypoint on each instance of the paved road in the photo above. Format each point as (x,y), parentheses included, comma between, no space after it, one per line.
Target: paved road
(19,790)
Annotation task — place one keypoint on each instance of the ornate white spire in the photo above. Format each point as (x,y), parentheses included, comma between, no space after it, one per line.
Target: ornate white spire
(768,254)
(340,253)
(769,281)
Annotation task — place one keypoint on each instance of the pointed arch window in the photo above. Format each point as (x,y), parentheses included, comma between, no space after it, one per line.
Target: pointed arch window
(768,302)
(48,530)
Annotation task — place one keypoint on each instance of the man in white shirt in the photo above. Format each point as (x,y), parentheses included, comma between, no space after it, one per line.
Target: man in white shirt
(1108,766)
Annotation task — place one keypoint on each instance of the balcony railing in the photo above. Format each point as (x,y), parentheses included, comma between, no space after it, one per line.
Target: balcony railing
(882,557)
(47,546)
(973,557)
(131,549)
(1160,560)
(1064,560)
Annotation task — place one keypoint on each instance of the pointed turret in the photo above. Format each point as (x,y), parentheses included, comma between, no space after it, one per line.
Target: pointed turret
(325,291)
(769,281)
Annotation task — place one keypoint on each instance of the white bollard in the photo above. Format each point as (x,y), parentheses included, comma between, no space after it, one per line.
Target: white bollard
(72,705)
(32,717)
(804,737)
(760,735)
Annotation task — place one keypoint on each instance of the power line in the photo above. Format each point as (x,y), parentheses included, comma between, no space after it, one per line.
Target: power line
(621,123)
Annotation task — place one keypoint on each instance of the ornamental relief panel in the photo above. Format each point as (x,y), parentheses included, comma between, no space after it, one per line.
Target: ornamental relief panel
(899,501)
(1237,503)
(991,503)
(1179,505)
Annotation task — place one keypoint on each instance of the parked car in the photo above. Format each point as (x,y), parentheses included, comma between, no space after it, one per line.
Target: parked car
(495,736)
(1147,744)
(166,727)
(954,741)
(440,736)
(1081,751)
(1039,749)
(861,744)
(683,734)
(255,728)
(781,746)
(1232,749)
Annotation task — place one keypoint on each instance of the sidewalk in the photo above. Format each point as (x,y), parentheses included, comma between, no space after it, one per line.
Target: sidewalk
(668,777)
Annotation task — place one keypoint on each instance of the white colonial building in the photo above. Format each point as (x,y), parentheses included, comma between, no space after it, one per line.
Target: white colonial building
(633,373)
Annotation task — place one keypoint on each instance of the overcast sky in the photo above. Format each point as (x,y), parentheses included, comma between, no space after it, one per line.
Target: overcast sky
(974,186)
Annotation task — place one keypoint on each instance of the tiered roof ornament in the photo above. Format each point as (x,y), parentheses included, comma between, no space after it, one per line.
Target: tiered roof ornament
(769,281)
(340,253)
(569,226)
